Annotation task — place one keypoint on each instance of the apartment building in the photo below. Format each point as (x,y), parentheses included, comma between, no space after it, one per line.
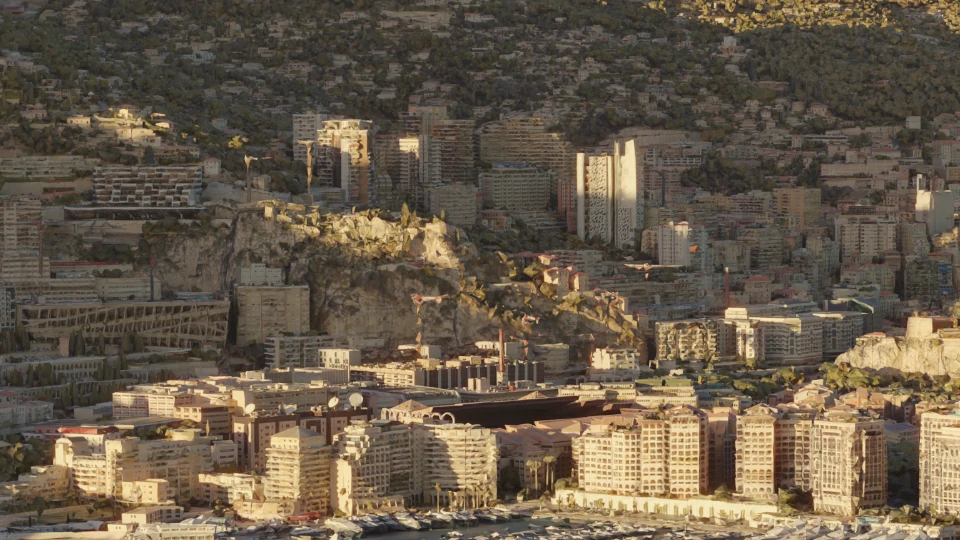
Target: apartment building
(756,443)
(689,340)
(213,419)
(252,433)
(298,469)
(758,289)
(268,396)
(802,204)
(793,340)
(305,127)
(160,187)
(146,401)
(754,202)
(792,446)
(526,140)
(20,223)
(940,461)
(517,186)
(268,311)
(722,447)
(114,289)
(840,330)
(609,359)
(228,488)
(178,460)
(687,460)
(935,208)
(462,459)
(864,237)
(159,324)
(662,454)
(19,416)
(454,139)
(283,351)
(730,254)
(45,166)
(48,482)
(609,203)
(922,282)
(611,458)
(344,159)
(398,157)
(84,368)
(683,244)
(458,201)
(374,462)
(765,243)
(8,308)
(848,463)
(339,358)
(881,274)
(152,514)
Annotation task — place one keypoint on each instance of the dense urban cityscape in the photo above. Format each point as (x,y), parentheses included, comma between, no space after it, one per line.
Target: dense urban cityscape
(493,269)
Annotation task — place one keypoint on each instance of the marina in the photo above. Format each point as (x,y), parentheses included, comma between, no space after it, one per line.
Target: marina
(490,524)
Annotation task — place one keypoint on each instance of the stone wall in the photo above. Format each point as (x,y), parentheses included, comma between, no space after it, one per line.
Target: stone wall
(698,508)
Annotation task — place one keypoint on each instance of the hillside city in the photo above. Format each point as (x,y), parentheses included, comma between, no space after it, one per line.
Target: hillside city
(539,269)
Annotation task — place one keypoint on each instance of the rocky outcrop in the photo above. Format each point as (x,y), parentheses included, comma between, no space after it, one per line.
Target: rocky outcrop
(932,354)
(362,269)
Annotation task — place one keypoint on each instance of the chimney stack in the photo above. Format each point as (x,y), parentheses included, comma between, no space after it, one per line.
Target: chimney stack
(503,356)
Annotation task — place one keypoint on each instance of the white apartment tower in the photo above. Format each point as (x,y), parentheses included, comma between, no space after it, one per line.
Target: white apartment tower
(344,158)
(683,244)
(298,469)
(462,459)
(374,462)
(935,208)
(609,196)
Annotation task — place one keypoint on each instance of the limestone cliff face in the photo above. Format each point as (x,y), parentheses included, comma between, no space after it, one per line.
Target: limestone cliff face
(932,354)
(362,270)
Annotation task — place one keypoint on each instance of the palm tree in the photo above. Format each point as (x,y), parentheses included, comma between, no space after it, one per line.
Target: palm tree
(535,465)
(437,488)
(550,473)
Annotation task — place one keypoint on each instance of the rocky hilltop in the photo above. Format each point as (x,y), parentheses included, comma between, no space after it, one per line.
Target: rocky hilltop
(934,354)
(363,269)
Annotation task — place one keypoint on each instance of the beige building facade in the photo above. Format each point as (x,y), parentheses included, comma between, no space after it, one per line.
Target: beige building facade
(848,463)
(269,311)
(298,469)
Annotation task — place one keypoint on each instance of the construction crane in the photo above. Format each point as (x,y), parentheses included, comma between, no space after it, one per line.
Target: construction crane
(309,144)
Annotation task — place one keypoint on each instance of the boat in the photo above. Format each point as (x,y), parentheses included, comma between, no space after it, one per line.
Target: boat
(368,525)
(306,531)
(343,527)
(407,521)
(464,519)
(484,517)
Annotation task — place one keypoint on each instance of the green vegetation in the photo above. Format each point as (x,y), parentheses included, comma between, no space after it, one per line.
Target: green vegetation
(21,455)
